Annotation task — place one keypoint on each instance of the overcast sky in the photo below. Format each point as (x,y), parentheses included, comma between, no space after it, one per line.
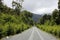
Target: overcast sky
(37,6)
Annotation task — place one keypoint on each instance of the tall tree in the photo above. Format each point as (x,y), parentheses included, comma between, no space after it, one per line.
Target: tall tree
(0,2)
(55,16)
(59,5)
(59,11)
(0,5)
(17,5)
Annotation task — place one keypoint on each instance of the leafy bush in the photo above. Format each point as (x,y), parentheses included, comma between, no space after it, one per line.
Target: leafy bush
(11,24)
(14,21)
(55,30)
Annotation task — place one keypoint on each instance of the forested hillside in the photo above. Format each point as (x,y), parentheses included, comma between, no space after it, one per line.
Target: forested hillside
(13,20)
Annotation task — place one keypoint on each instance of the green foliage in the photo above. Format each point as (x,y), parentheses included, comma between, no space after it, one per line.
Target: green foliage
(59,11)
(26,17)
(55,30)
(59,4)
(12,23)
(55,16)
(17,6)
(51,23)
(45,18)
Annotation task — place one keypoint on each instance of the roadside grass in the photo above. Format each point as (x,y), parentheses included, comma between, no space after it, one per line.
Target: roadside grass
(55,29)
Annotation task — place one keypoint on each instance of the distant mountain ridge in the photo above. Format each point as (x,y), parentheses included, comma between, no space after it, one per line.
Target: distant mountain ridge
(36,17)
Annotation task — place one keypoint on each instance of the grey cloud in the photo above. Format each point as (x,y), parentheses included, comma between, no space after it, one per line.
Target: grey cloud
(37,5)
(32,5)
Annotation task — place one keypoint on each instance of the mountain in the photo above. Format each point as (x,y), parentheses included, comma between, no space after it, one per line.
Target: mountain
(36,17)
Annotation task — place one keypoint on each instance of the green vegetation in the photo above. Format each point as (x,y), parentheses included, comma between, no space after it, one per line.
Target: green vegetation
(51,23)
(55,30)
(14,21)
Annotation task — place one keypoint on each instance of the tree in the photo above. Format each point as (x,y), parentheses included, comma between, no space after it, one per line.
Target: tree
(45,18)
(1,5)
(59,5)
(17,6)
(59,11)
(56,16)
(27,17)
(0,1)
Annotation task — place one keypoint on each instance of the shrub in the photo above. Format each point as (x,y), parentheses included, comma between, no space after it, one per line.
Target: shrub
(55,30)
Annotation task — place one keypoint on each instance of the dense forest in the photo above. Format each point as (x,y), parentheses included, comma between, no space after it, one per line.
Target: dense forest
(51,22)
(13,20)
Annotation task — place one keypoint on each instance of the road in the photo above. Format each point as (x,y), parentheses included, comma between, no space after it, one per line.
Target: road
(31,34)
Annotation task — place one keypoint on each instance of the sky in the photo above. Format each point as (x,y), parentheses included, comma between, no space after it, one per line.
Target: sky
(37,6)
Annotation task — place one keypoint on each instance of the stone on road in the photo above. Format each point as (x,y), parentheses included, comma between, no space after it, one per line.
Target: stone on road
(31,34)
